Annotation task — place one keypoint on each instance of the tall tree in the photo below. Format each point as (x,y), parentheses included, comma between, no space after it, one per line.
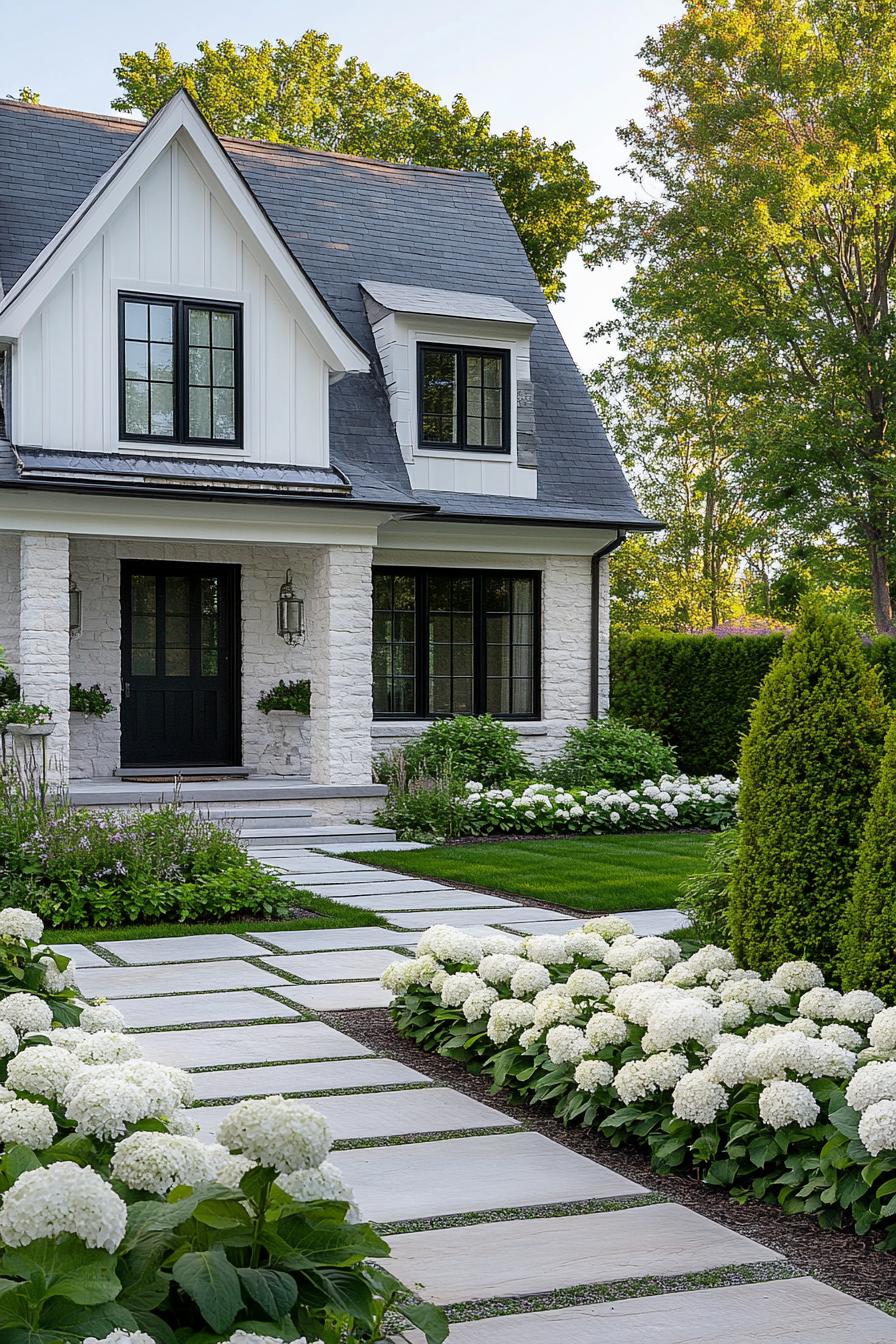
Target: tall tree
(304,93)
(671,403)
(770,132)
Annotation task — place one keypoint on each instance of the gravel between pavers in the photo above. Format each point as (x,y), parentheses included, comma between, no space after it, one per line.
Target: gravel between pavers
(850,1263)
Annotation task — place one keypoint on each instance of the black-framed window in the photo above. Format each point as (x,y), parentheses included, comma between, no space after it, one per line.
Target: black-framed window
(180,371)
(463,398)
(456,642)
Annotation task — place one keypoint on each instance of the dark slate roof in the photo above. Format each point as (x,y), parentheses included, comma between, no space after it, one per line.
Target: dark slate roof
(346,220)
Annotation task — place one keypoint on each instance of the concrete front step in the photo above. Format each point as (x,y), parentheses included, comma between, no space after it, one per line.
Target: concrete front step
(282,816)
(258,790)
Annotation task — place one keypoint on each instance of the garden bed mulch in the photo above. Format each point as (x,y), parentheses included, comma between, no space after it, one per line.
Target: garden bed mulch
(850,1263)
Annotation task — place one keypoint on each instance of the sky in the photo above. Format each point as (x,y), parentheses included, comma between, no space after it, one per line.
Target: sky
(568,69)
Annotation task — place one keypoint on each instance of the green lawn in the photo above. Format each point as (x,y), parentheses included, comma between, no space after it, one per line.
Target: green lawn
(326,915)
(603,872)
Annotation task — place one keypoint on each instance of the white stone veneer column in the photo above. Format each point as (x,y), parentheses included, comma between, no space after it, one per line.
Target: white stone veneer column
(603,634)
(340,623)
(44,637)
(566,646)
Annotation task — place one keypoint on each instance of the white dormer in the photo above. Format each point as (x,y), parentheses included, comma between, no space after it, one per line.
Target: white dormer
(457,371)
(168,317)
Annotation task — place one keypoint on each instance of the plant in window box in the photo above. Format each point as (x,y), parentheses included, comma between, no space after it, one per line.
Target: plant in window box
(292,697)
(89,700)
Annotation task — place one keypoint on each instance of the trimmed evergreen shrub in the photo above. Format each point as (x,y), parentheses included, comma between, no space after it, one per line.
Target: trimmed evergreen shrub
(693,691)
(881,653)
(608,753)
(869,929)
(808,766)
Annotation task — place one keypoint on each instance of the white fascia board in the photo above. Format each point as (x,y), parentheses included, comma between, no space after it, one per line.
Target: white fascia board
(449,541)
(335,345)
(103,515)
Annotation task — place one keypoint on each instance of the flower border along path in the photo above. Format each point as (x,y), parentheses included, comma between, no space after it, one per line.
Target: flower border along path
(432,1166)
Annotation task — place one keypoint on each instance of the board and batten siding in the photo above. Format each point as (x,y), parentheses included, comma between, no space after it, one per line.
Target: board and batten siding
(172,236)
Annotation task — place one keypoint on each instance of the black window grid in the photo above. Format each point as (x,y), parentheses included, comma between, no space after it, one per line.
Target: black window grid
(180,309)
(465,358)
(514,679)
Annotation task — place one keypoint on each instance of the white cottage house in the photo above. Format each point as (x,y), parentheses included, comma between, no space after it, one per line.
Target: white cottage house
(237,377)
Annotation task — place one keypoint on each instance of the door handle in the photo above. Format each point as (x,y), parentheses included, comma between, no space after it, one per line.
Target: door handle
(127,690)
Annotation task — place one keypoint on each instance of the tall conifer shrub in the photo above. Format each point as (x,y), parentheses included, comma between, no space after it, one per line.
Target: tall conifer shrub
(869,929)
(808,765)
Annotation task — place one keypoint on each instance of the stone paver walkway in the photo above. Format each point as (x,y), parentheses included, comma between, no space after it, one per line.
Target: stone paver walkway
(240,1013)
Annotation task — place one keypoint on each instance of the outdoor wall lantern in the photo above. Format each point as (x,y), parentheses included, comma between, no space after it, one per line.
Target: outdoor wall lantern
(74,609)
(290,613)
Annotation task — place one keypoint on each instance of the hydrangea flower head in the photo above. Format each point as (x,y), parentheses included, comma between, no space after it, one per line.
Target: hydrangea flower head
(276,1132)
(64,1197)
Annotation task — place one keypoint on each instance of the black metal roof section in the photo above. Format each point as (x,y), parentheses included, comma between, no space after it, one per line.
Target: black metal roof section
(242,478)
(348,220)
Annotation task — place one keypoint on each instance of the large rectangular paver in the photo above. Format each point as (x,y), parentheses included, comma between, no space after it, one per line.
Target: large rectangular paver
(78,954)
(343,994)
(653,922)
(369,880)
(182,1010)
(524,927)
(335,940)
(381,1115)
(533,1255)
(462,918)
(784,1311)
(365,963)
(192,947)
(269,1043)
(317,1077)
(335,891)
(441,899)
(117,982)
(494,1171)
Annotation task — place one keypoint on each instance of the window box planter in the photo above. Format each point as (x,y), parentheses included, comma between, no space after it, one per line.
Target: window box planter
(285,742)
(30,729)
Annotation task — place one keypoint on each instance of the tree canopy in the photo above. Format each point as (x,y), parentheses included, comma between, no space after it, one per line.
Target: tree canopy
(766,212)
(305,93)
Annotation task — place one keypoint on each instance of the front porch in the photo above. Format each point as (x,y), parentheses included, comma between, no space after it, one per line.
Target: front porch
(200,667)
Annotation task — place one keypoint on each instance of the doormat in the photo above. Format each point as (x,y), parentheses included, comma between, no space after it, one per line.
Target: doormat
(178,779)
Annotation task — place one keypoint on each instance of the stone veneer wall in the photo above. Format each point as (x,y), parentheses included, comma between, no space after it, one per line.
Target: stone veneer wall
(565,643)
(269,748)
(275,745)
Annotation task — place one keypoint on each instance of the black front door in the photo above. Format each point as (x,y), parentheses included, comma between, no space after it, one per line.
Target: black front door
(179,664)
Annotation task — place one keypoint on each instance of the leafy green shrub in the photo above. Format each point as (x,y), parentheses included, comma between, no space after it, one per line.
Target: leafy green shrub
(869,928)
(705,896)
(89,700)
(609,752)
(467,748)
(291,695)
(694,691)
(807,770)
(9,686)
(79,866)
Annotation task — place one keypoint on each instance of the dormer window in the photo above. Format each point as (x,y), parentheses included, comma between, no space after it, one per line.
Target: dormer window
(463,398)
(180,371)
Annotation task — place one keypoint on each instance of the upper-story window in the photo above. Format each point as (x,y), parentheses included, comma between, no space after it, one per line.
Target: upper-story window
(463,398)
(180,371)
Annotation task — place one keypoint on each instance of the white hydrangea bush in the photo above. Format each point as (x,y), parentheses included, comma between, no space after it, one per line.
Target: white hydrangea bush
(661,805)
(708,1062)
